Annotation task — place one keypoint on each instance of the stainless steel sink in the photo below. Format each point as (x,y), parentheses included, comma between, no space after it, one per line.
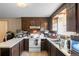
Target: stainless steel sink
(56,41)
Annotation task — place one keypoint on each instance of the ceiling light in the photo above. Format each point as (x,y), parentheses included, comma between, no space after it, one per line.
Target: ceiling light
(22,5)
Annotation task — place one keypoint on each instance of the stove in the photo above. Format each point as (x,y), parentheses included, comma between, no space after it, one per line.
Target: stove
(34,43)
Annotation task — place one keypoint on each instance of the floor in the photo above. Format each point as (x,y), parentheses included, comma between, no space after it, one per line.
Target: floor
(42,53)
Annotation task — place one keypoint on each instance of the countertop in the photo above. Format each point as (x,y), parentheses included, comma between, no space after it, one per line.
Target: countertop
(10,43)
(14,41)
(64,51)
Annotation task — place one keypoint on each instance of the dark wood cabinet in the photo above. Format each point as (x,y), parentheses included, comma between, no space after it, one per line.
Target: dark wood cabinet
(5,52)
(34,21)
(59,53)
(49,49)
(71,17)
(47,45)
(77,17)
(43,44)
(14,51)
(21,46)
(53,50)
(69,5)
(26,44)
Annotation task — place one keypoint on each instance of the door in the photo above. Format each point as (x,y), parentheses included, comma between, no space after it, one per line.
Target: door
(3,29)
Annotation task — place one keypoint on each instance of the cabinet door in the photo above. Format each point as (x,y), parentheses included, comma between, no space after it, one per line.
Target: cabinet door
(26,44)
(71,19)
(15,50)
(59,53)
(53,50)
(77,18)
(49,49)
(43,45)
(21,46)
(70,5)
(46,45)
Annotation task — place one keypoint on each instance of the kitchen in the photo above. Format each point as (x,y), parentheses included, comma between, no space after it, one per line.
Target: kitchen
(55,35)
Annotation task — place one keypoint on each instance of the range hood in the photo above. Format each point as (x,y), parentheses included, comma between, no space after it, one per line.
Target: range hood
(35,27)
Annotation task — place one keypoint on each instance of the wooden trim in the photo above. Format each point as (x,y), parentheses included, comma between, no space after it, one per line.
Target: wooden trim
(0,51)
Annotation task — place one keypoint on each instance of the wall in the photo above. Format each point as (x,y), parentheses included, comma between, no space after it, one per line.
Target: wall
(9,25)
(14,24)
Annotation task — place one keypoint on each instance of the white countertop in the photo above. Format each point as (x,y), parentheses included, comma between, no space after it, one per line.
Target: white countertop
(14,41)
(11,43)
(62,49)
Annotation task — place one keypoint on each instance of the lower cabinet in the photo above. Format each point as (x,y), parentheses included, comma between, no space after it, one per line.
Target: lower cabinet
(5,52)
(59,53)
(21,44)
(52,50)
(43,44)
(49,49)
(14,51)
(17,49)
(26,44)
(47,45)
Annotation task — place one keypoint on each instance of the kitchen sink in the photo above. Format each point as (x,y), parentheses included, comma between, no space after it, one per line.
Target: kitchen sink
(56,41)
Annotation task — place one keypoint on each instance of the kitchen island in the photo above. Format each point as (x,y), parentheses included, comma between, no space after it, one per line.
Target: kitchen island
(15,46)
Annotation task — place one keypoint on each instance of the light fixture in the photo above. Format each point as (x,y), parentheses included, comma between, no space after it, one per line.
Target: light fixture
(22,5)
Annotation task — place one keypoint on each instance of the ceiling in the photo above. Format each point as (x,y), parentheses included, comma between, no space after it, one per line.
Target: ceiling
(8,10)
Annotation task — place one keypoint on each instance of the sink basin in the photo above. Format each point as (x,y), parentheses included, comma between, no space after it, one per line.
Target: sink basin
(56,41)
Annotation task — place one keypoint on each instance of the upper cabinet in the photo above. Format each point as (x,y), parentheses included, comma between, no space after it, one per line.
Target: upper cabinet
(71,17)
(66,17)
(77,18)
(28,22)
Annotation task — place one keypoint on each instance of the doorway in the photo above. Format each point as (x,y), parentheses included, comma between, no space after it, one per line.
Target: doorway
(3,29)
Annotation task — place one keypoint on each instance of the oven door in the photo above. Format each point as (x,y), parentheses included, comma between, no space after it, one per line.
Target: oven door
(33,42)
